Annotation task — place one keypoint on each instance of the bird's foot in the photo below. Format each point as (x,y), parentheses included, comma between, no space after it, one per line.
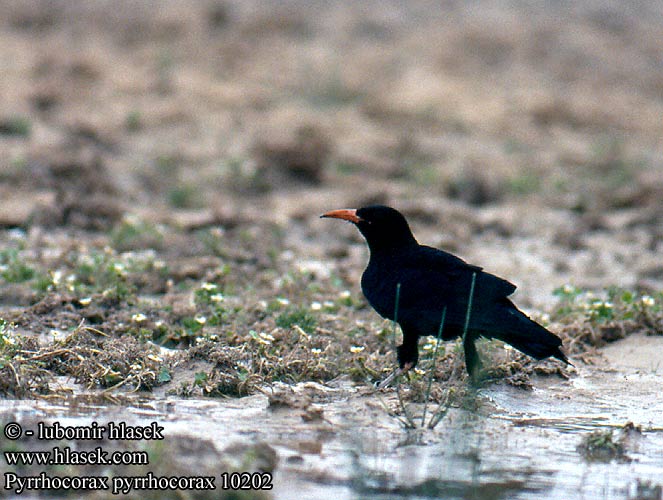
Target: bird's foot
(475,379)
(476,374)
(396,373)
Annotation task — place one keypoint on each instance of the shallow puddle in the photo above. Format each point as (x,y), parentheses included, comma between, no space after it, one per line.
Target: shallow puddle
(518,444)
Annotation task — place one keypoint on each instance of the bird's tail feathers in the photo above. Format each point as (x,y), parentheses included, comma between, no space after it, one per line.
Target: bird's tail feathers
(528,336)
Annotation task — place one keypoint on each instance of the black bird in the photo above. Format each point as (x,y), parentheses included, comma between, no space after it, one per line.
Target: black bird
(431,280)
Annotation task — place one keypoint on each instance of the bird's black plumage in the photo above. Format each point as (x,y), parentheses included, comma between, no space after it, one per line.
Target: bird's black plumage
(432,280)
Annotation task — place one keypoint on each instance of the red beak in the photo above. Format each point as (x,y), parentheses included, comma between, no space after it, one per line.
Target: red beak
(349,214)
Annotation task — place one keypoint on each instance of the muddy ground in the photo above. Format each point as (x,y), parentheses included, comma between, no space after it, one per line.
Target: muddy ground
(162,169)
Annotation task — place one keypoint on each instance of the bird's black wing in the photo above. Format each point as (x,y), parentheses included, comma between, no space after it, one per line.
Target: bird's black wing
(457,270)
(493,315)
(431,280)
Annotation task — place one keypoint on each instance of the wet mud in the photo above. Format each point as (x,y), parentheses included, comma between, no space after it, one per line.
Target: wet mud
(162,169)
(340,440)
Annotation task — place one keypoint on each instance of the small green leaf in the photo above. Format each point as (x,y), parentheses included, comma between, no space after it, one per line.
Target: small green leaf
(164,375)
(200,378)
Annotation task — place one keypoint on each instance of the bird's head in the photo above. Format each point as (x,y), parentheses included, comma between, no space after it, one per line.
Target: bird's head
(383,227)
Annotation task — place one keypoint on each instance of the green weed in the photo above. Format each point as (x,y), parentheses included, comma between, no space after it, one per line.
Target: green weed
(132,233)
(614,304)
(16,125)
(185,196)
(7,341)
(103,273)
(133,121)
(524,184)
(601,445)
(297,316)
(13,268)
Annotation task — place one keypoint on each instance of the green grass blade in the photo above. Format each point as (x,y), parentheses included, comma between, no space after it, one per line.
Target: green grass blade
(469,307)
(432,373)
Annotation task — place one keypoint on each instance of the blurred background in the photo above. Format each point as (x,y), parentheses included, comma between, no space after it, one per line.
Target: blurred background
(163,166)
(525,137)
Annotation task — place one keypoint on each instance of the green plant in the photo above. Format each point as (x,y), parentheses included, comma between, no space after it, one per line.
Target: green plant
(16,125)
(614,304)
(7,341)
(133,233)
(185,196)
(525,183)
(199,378)
(347,167)
(133,121)
(193,325)
(208,294)
(210,302)
(167,165)
(601,445)
(13,269)
(297,316)
(104,272)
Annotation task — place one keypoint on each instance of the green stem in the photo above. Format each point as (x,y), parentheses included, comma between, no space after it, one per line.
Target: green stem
(432,373)
(395,322)
(469,307)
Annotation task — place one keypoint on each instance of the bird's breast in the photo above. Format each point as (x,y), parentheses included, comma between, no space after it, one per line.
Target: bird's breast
(424,294)
(379,286)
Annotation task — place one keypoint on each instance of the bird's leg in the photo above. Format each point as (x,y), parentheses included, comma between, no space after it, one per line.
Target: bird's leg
(472,361)
(407,354)
(396,373)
